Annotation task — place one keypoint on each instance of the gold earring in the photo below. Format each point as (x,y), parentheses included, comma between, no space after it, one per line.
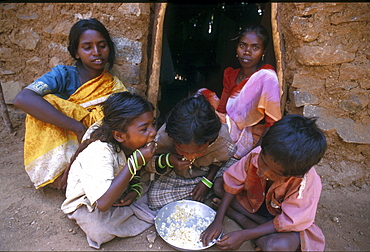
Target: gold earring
(263,57)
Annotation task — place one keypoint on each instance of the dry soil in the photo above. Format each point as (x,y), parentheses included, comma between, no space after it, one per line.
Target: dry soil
(31,220)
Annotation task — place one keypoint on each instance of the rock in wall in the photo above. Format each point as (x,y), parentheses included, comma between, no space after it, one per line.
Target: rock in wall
(326,69)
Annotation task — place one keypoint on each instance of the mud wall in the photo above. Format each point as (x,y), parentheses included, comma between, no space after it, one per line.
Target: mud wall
(326,55)
(34,38)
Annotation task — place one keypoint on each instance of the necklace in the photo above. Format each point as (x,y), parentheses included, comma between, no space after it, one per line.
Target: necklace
(240,77)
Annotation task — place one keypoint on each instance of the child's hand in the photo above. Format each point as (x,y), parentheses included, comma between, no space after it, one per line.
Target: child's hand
(126,200)
(231,241)
(212,232)
(147,151)
(199,192)
(179,164)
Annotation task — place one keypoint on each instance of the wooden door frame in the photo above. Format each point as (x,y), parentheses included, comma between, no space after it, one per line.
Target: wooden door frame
(156,54)
(277,43)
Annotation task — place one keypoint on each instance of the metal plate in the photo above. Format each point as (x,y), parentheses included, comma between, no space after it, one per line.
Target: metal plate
(193,215)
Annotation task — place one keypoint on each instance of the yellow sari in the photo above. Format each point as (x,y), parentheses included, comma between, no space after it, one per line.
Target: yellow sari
(48,148)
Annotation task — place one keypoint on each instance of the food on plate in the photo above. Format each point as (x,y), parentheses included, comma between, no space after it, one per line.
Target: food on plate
(182,228)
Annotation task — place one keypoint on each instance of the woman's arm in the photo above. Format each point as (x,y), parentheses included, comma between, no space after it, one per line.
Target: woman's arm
(36,106)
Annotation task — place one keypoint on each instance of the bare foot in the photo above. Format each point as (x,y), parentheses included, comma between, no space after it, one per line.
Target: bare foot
(216,203)
(56,184)
(256,248)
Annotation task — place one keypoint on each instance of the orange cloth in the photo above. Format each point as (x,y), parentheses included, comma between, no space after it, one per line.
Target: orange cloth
(292,201)
(48,148)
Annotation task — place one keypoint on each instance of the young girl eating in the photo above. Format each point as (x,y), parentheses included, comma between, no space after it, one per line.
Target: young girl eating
(61,104)
(192,146)
(103,179)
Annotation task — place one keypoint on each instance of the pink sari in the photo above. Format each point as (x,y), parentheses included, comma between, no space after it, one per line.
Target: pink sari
(247,104)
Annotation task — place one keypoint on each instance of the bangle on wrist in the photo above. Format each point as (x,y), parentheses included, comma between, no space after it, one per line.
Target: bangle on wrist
(131,166)
(142,156)
(168,160)
(134,157)
(207,183)
(160,162)
(138,192)
(136,185)
(132,188)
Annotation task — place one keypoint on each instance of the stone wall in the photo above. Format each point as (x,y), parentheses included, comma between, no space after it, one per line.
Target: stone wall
(326,54)
(34,38)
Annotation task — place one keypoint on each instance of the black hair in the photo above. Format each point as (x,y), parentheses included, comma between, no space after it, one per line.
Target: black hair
(296,143)
(120,110)
(193,120)
(90,24)
(260,31)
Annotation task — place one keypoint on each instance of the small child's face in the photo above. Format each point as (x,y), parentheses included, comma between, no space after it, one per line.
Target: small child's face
(268,169)
(191,151)
(140,132)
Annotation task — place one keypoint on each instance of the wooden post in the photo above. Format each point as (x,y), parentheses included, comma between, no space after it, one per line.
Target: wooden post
(4,112)
(278,55)
(156,52)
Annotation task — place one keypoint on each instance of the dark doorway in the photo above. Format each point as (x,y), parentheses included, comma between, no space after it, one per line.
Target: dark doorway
(198,46)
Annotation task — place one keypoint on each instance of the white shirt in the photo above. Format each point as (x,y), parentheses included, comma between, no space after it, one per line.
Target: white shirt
(91,175)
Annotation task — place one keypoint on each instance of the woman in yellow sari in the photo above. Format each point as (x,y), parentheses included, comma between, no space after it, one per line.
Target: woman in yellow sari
(64,102)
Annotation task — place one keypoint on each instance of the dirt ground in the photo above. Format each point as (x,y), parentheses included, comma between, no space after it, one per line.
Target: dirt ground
(31,220)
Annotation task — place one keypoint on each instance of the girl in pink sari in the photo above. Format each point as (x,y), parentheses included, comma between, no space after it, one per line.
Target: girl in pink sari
(250,100)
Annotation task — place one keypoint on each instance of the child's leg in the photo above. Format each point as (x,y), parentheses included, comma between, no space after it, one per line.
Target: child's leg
(218,184)
(239,214)
(289,241)
(244,221)
(218,187)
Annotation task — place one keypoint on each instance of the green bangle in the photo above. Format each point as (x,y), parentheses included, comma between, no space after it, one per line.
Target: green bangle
(136,185)
(208,183)
(131,167)
(138,192)
(134,157)
(159,161)
(142,157)
(168,160)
